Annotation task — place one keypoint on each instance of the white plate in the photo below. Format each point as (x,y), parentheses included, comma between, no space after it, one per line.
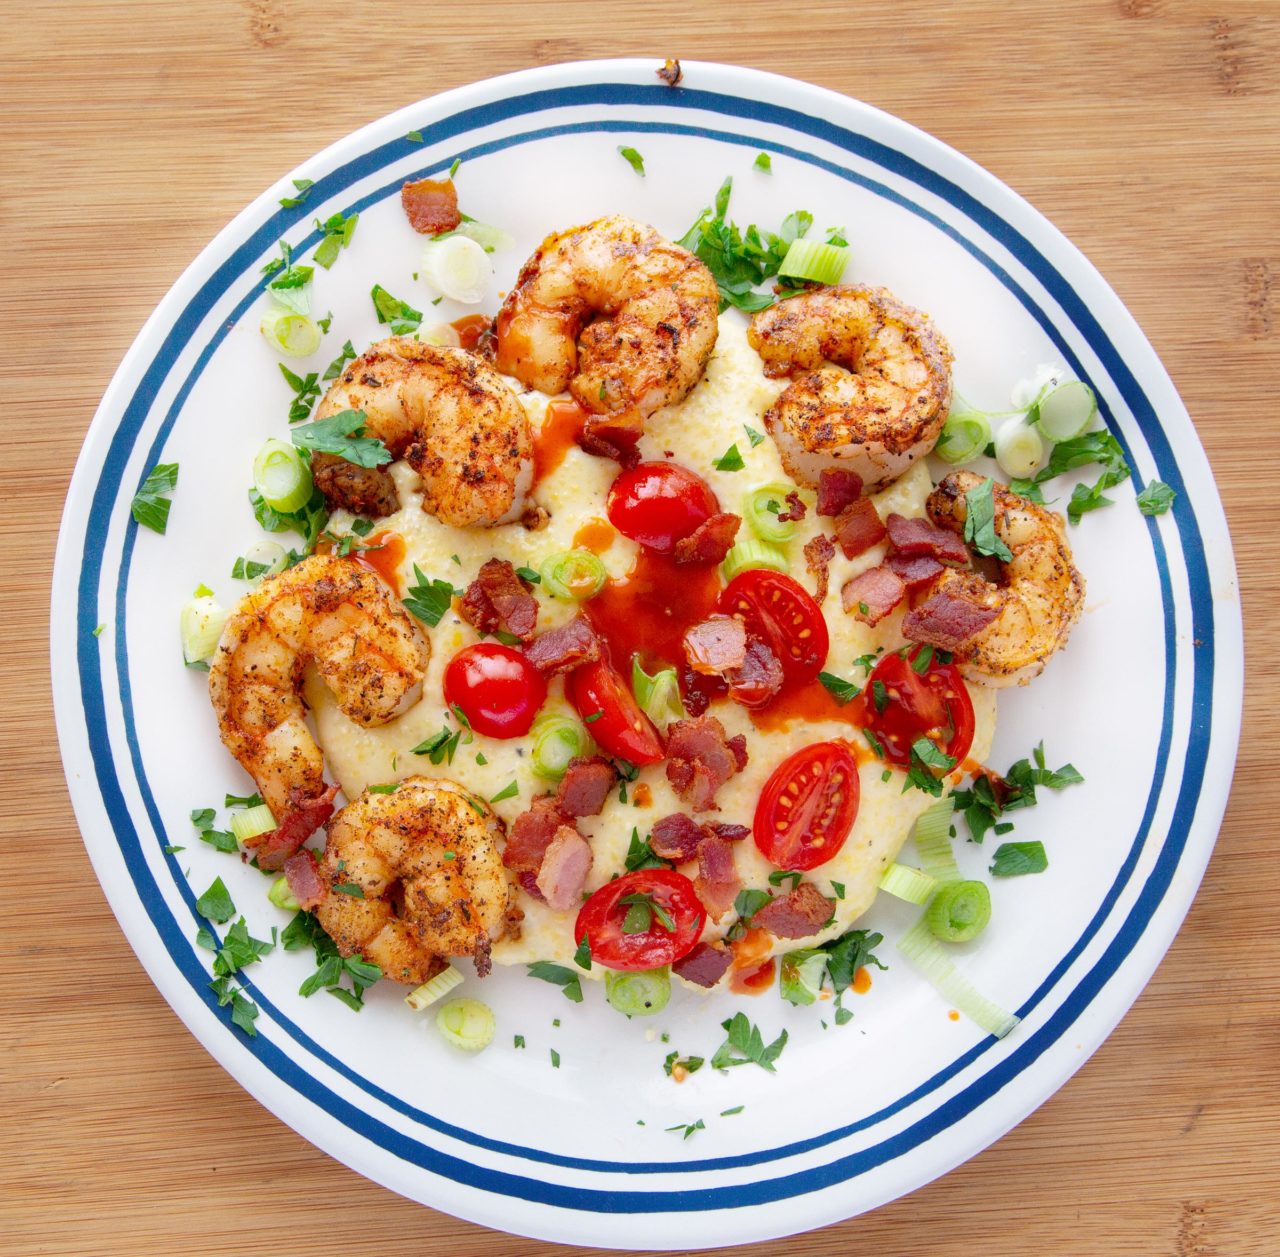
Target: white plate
(1146,703)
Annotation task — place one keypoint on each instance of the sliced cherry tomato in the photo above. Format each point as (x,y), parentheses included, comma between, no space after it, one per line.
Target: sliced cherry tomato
(658,504)
(611,713)
(808,806)
(932,704)
(780,613)
(496,688)
(602,917)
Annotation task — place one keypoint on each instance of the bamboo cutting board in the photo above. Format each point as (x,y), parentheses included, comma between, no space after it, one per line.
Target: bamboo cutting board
(1148,130)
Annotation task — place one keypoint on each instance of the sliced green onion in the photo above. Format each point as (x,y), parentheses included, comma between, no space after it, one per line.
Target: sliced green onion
(907,883)
(637,993)
(932,834)
(268,554)
(751,552)
(810,259)
(1065,412)
(658,695)
(458,268)
(442,334)
(924,951)
(761,508)
(1019,449)
(252,822)
(488,237)
(280,894)
(200,626)
(959,911)
(294,335)
(800,975)
(557,740)
(282,476)
(575,574)
(425,995)
(466,1023)
(964,436)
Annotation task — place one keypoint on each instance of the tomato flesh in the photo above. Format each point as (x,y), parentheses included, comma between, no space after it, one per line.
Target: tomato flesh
(782,614)
(601,918)
(808,806)
(611,714)
(932,704)
(658,504)
(496,688)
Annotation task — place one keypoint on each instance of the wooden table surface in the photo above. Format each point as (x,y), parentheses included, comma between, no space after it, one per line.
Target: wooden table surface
(132,131)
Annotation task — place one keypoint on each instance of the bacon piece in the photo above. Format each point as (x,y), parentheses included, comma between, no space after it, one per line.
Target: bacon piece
(947,621)
(837,489)
(818,553)
(301,819)
(759,677)
(859,528)
(585,786)
(800,913)
(717,883)
(670,72)
(922,536)
(700,759)
(710,541)
(529,884)
(676,837)
(565,648)
(913,570)
(431,205)
(716,645)
(303,876)
(705,965)
(616,443)
(796,509)
(565,865)
(531,833)
(497,601)
(730,833)
(871,596)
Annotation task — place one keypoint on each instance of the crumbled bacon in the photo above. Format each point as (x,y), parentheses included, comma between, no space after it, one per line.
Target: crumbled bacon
(563,872)
(531,833)
(730,833)
(913,570)
(758,678)
(431,205)
(303,876)
(716,645)
(563,649)
(302,818)
(717,882)
(837,489)
(872,595)
(701,758)
(859,528)
(947,621)
(498,601)
(818,553)
(616,443)
(705,965)
(922,536)
(800,913)
(529,884)
(710,541)
(676,837)
(796,509)
(670,72)
(585,786)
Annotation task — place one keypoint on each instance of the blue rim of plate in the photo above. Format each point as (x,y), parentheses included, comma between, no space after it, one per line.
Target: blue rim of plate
(107,497)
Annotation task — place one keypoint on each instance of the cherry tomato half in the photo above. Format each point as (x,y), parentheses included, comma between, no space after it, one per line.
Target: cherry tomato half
(601,919)
(808,806)
(658,504)
(497,689)
(611,713)
(781,613)
(931,704)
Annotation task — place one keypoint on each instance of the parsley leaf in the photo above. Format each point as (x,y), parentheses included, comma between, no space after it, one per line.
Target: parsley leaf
(216,903)
(763,162)
(244,1012)
(303,187)
(343,436)
(640,855)
(633,158)
(429,599)
(752,435)
(335,368)
(509,791)
(1092,447)
(558,975)
(306,392)
(1156,498)
(148,507)
(748,902)
(338,231)
(841,690)
(849,953)
(730,460)
(440,747)
(926,757)
(690,1127)
(980,522)
(746,1046)
(404,319)
(239,948)
(990,796)
(1014,859)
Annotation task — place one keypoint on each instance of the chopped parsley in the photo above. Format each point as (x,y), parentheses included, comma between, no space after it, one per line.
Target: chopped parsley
(745,1045)
(289,287)
(730,460)
(748,902)
(335,368)
(642,911)
(1014,859)
(733,1112)
(389,788)
(220,840)
(519,1040)
(1093,447)
(237,800)
(149,507)
(343,436)
(530,575)
(633,158)
(440,747)
(879,695)
(337,230)
(582,954)
(980,522)
(989,796)
(303,188)
(305,931)
(1156,498)
(763,162)
(306,392)
(874,743)
(640,854)
(841,690)
(688,1127)
(509,791)
(215,903)
(308,520)
(414,137)
(568,981)
(837,888)
(689,1064)
(430,599)
(779,876)
(247,569)
(752,435)
(349,888)
(404,319)
(239,949)
(555,1059)
(929,763)
(97,632)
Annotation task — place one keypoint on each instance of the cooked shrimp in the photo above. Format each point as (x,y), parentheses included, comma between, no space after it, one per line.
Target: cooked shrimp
(1039,592)
(426,860)
(871,386)
(452,417)
(336,615)
(615,313)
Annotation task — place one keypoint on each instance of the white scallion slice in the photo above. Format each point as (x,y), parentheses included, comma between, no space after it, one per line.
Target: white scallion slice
(488,237)
(200,626)
(443,334)
(761,508)
(1019,449)
(282,476)
(811,259)
(907,883)
(252,822)
(294,335)
(921,949)
(1066,411)
(658,695)
(557,739)
(965,435)
(280,894)
(751,552)
(437,988)
(466,1023)
(932,834)
(573,574)
(270,554)
(457,267)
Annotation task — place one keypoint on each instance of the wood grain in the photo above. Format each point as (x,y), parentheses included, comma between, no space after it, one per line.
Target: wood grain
(1146,129)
